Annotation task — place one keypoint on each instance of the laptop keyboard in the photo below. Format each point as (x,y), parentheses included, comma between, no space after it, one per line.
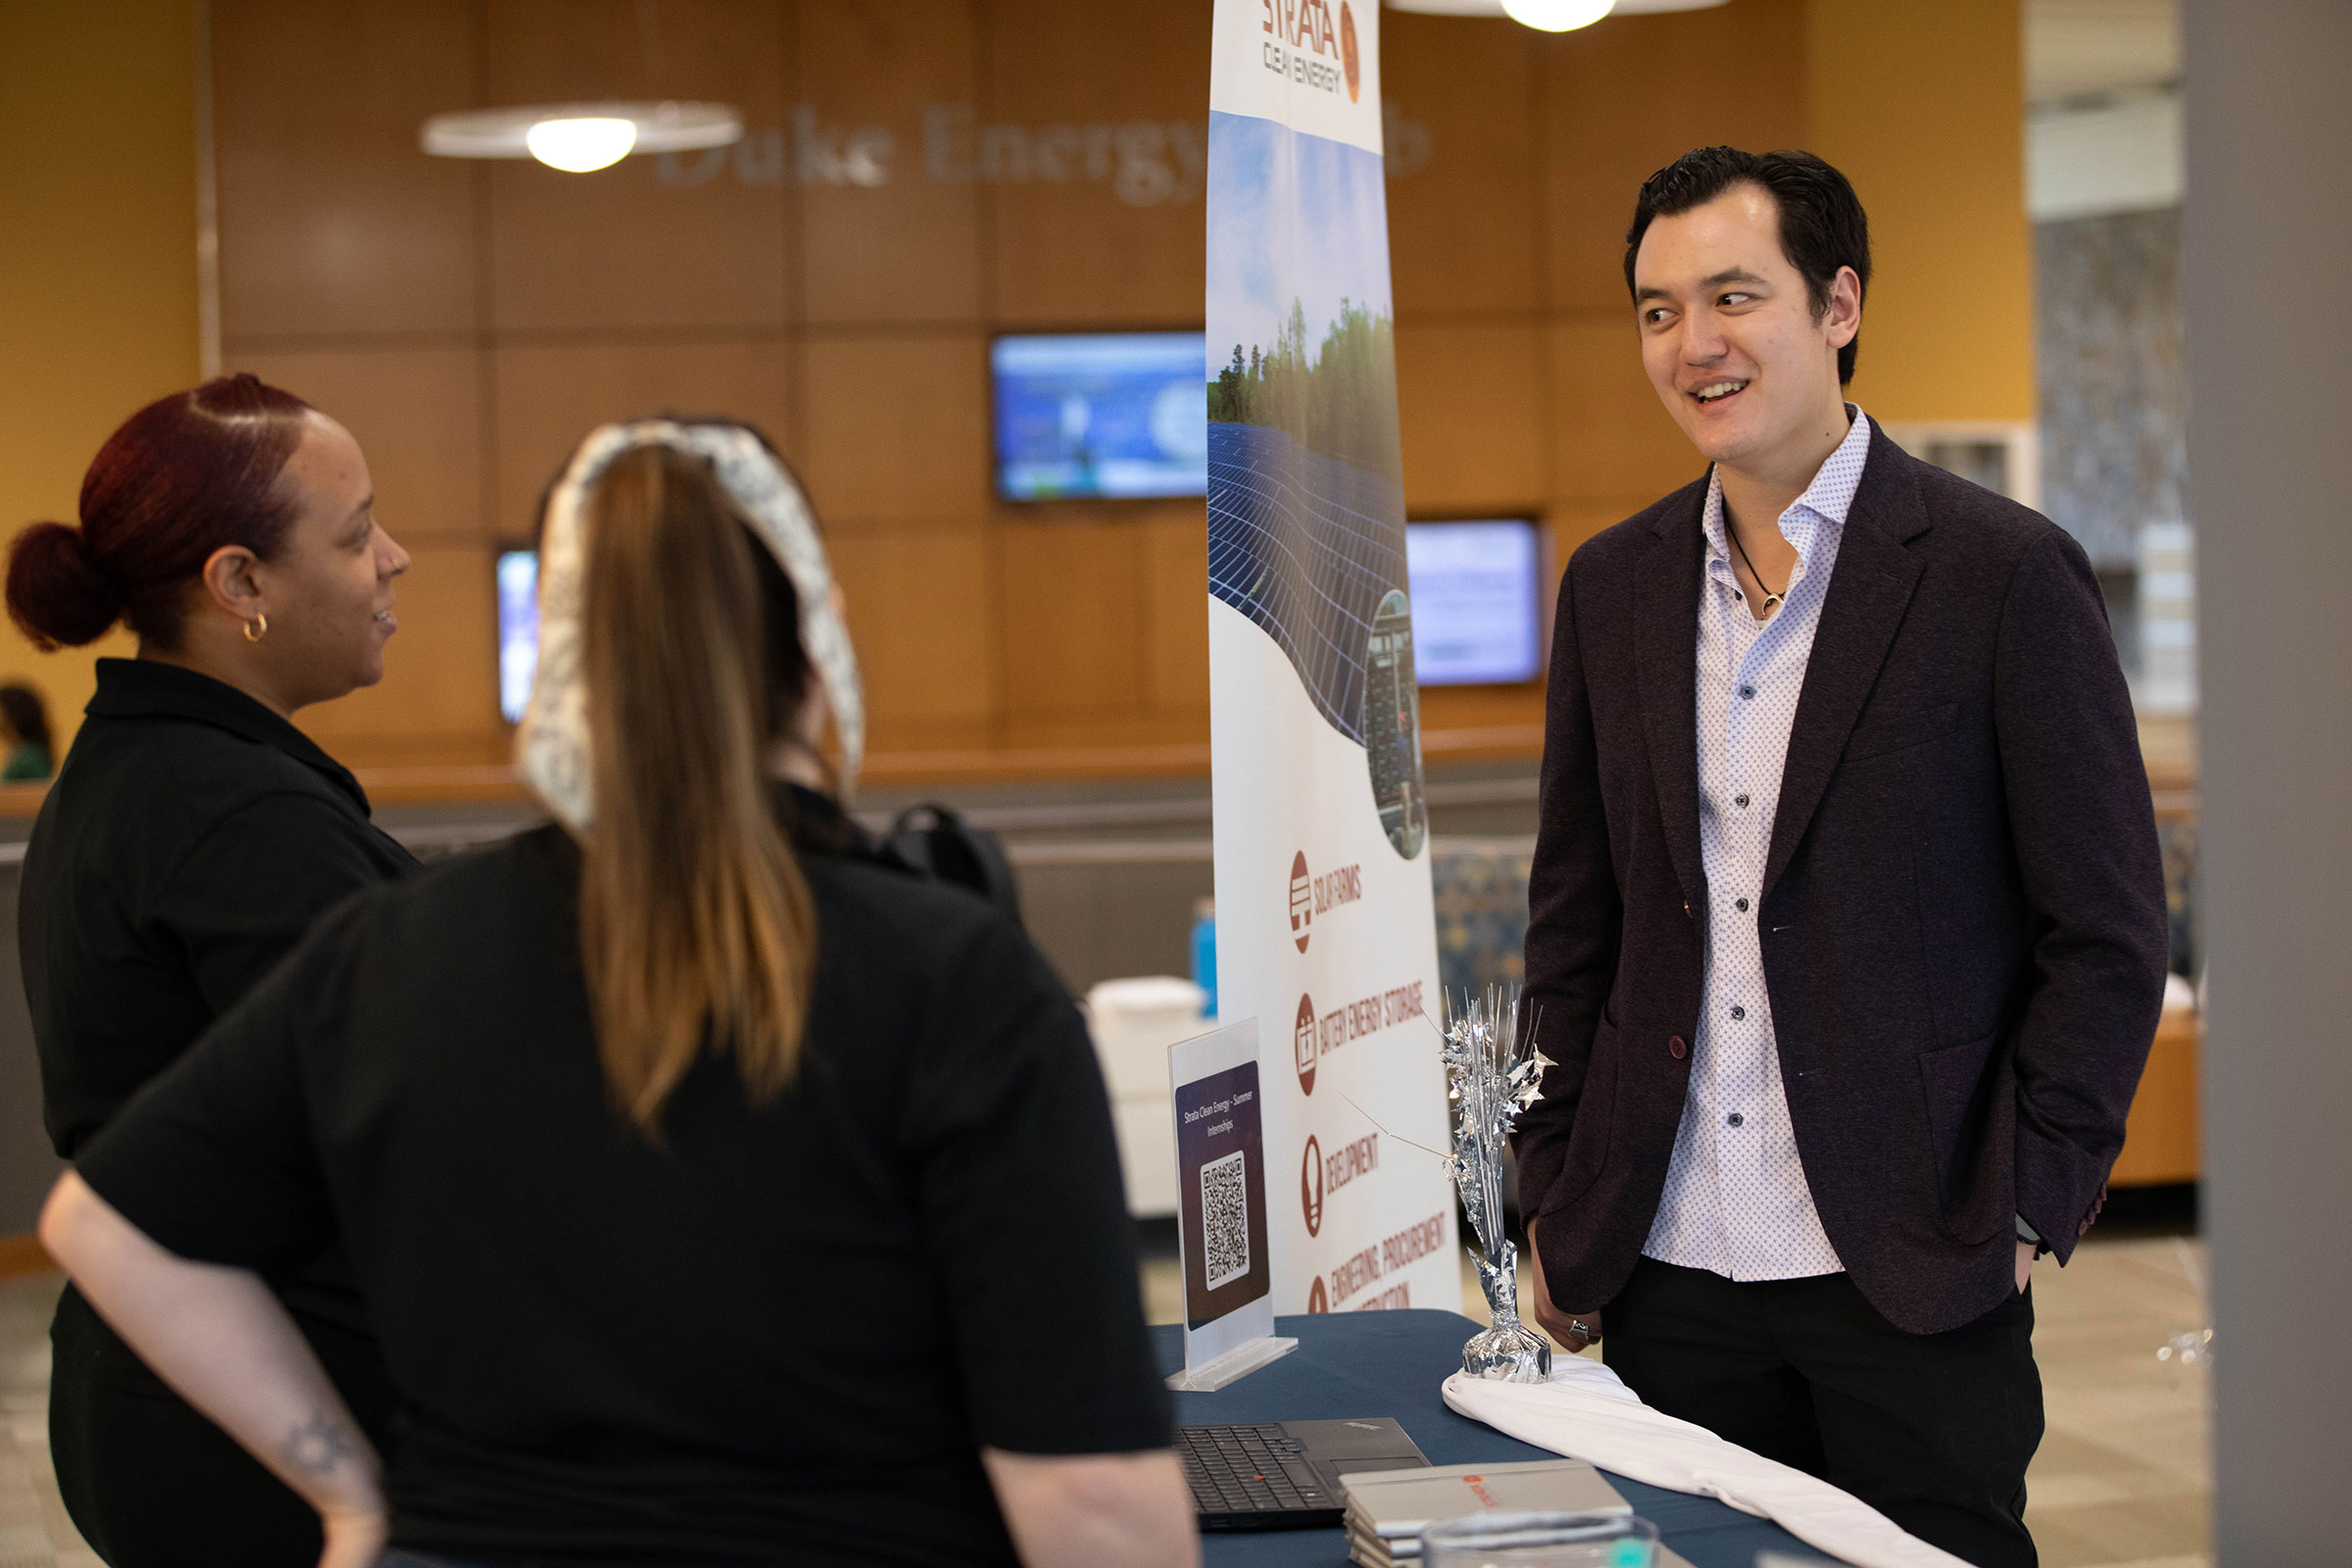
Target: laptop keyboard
(1250,1470)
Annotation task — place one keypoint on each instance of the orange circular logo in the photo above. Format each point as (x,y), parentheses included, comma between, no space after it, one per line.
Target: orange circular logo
(1350,56)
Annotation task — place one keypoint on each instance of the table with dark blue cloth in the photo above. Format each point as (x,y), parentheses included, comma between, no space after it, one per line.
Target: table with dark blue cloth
(1394,1364)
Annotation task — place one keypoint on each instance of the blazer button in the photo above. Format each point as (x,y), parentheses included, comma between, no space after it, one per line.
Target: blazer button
(1676,1048)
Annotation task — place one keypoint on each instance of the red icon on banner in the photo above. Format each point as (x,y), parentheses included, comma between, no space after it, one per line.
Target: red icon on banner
(1304,1041)
(1303,901)
(1316,1299)
(1310,1187)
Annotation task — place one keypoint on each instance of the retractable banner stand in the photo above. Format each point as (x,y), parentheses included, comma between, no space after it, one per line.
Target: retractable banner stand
(1326,932)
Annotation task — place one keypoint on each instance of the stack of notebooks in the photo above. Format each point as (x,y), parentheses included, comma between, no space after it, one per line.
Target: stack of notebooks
(1388,1509)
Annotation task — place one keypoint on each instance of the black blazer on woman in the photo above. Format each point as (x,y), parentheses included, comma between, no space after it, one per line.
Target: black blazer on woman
(1963,910)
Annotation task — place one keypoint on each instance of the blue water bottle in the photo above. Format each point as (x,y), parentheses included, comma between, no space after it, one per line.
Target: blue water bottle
(1205,954)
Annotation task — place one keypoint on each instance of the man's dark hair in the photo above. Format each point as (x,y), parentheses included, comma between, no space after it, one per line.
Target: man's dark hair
(1822,224)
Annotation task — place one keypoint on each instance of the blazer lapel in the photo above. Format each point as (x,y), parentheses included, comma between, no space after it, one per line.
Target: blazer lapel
(1666,651)
(1869,592)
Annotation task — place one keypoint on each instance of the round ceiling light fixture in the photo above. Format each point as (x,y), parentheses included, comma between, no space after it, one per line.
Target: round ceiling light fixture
(1549,15)
(578,145)
(1557,15)
(579,137)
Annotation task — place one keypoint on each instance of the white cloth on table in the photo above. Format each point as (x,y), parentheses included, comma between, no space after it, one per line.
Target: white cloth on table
(1587,1412)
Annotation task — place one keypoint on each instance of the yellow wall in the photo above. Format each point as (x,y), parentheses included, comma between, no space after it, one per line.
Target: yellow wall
(97,259)
(1922,107)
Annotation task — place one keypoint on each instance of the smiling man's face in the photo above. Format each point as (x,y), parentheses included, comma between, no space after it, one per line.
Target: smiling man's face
(1729,335)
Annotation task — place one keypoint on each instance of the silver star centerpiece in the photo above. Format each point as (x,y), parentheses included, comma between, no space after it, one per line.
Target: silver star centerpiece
(1493,1073)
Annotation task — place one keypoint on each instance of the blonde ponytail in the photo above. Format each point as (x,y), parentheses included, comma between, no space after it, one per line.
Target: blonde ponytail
(695,924)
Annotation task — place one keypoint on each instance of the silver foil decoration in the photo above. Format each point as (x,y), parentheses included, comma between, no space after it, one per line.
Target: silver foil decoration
(1491,1075)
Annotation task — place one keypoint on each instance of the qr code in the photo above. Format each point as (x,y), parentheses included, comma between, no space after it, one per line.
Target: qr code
(1224,1220)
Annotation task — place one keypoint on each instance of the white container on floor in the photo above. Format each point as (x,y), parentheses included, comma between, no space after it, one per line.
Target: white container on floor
(1134,1022)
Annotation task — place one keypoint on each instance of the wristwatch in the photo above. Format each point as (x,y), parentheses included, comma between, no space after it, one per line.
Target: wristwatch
(2027,1233)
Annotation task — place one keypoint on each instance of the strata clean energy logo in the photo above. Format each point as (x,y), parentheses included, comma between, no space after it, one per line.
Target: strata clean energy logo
(1304,1040)
(1350,58)
(1310,1185)
(1320,53)
(1318,1299)
(1302,911)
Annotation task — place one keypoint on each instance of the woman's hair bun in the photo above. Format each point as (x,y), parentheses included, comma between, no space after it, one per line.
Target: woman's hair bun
(56,593)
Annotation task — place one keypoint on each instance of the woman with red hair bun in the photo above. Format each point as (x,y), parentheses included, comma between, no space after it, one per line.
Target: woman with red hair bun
(192,837)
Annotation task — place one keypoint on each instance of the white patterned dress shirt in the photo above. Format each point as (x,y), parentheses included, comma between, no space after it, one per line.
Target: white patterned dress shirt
(1736,1201)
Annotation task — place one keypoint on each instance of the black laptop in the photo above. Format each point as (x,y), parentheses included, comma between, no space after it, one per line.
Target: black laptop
(1285,1475)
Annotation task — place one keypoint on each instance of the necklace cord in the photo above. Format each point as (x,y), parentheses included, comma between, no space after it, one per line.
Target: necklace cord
(1770,598)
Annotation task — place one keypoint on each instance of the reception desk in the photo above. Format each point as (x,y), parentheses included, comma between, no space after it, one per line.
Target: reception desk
(2160,1142)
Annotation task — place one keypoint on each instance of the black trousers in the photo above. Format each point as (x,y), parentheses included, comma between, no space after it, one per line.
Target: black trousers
(1932,1430)
(150,1483)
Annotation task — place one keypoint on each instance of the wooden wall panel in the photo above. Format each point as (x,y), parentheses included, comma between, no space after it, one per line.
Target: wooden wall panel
(418,415)
(331,221)
(907,250)
(1626,98)
(896,427)
(550,395)
(433,704)
(1074,618)
(1466,92)
(618,247)
(1612,439)
(1569,523)
(1176,658)
(561,51)
(1473,407)
(1098,213)
(922,616)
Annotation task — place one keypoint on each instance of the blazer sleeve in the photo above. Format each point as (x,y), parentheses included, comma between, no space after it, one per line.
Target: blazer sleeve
(2084,833)
(1575,914)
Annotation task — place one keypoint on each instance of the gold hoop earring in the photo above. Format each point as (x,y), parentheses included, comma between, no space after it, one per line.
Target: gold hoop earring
(257,628)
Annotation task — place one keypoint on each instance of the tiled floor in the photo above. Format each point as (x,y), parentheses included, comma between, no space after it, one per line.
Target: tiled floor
(35,1532)
(2124,1479)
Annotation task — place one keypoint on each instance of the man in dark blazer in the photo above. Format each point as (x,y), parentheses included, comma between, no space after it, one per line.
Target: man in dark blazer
(1847,926)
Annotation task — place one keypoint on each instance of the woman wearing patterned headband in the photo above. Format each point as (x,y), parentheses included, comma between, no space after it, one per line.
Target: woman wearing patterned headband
(192,839)
(721,1192)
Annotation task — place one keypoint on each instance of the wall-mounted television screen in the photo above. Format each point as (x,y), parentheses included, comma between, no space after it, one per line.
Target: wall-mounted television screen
(1478,608)
(517,629)
(1089,416)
